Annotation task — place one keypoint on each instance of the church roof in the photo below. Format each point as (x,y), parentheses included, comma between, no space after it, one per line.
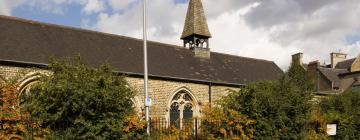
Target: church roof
(195,22)
(33,42)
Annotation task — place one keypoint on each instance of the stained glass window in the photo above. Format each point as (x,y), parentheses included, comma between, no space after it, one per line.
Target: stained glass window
(181,109)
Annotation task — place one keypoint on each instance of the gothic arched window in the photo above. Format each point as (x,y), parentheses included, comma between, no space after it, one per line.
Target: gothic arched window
(26,84)
(181,109)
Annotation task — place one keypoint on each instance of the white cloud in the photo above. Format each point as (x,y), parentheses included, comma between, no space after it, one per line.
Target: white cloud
(165,21)
(6,6)
(120,4)
(233,36)
(94,6)
(315,27)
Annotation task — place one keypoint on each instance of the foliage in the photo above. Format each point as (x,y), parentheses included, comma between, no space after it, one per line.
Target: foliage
(343,110)
(13,123)
(9,114)
(171,132)
(316,127)
(298,76)
(282,109)
(134,127)
(9,103)
(79,102)
(226,123)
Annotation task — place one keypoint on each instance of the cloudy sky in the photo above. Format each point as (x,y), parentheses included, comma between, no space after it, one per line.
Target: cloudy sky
(265,29)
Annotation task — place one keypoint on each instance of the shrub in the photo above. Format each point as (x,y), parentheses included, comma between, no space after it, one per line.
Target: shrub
(223,123)
(343,110)
(80,102)
(13,123)
(282,109)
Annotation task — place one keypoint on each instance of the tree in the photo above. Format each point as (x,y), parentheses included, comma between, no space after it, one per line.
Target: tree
(80,102)
(15,124)
(223,123)
(282,109)
(343,110)
(298,76)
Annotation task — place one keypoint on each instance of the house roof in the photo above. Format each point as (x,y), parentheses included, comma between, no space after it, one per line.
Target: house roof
(195,22)
(346,64)
(34,42)
(332,74)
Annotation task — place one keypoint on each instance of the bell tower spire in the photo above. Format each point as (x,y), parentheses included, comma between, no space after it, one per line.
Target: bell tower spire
(196,32)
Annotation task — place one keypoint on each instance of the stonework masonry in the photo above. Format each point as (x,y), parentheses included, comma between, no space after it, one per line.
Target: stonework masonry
(356,65)
(201,52)
(161,91)
(16,73)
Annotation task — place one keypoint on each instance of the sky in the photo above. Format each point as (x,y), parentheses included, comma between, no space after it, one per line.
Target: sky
(264,29)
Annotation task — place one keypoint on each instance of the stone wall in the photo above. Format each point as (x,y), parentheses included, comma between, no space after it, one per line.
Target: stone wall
(324,84)
(11,72)
(17,74)
(356,65)
(161,91)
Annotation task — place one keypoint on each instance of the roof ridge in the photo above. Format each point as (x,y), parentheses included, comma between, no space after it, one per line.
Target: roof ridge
(332,68)
(232,55)
(258,59)
(348,59)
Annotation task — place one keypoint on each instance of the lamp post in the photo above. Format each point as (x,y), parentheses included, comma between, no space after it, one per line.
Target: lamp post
(146,96)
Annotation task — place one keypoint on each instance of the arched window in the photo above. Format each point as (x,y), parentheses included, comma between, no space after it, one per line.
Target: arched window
(136,105)
(181,109)
(26,84)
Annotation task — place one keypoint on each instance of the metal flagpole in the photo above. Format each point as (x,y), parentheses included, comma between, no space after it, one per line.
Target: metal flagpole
(146,100)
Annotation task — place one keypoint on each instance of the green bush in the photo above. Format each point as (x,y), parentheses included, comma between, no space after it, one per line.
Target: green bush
(343,110)
(282,109)
(79,102)
(223,123)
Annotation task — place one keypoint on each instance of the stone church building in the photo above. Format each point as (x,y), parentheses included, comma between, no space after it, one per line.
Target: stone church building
(182,79)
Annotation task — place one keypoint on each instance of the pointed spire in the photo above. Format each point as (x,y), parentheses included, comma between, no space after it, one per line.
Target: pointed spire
(195,23)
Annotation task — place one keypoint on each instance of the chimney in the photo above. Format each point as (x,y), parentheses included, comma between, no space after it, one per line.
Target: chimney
(312,68)
(313,73)
(314,65)
(336,58)
(297,59)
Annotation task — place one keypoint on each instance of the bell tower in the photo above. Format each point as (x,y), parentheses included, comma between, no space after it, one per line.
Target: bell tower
(196,32)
